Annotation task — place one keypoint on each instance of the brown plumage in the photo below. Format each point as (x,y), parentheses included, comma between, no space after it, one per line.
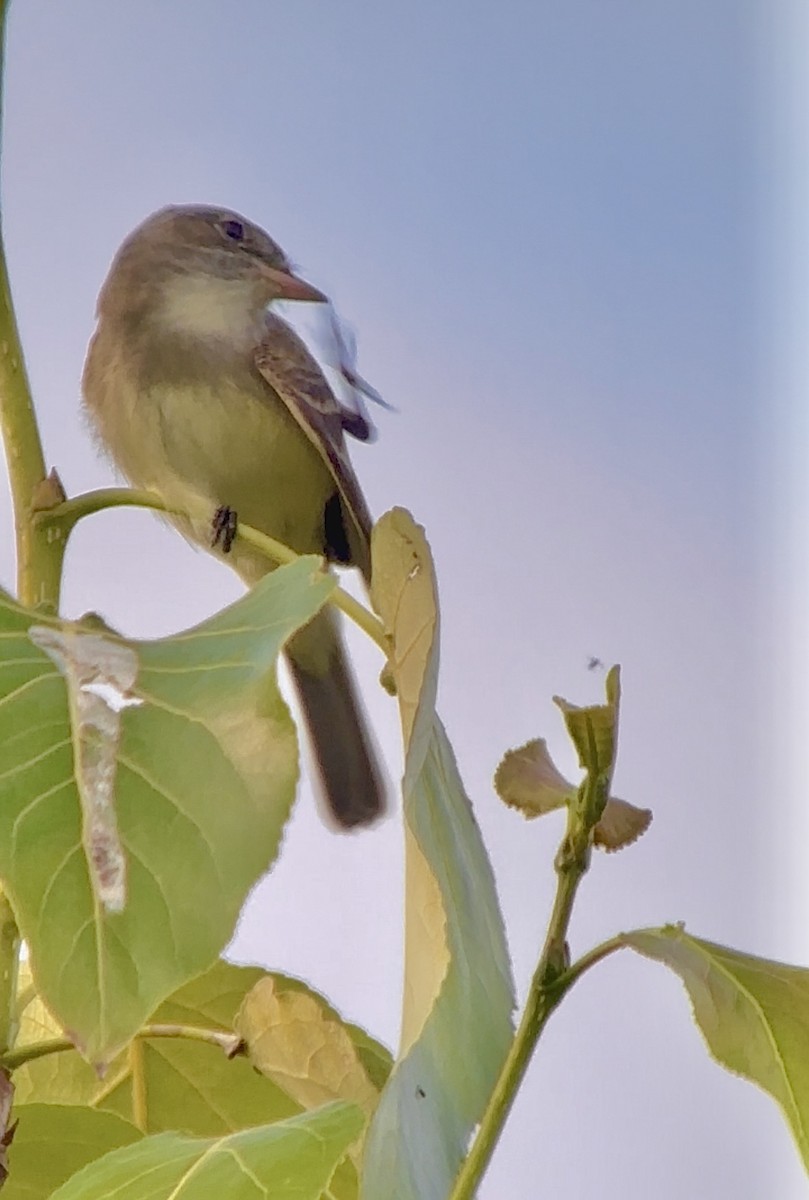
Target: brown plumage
(198,392)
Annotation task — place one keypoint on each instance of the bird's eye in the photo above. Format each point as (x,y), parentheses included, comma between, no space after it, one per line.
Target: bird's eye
(234,230)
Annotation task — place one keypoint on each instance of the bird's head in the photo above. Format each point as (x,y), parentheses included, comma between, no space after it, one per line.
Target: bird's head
(213,254)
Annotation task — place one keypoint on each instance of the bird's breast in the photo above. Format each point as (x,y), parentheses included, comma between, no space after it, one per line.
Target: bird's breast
(227,440)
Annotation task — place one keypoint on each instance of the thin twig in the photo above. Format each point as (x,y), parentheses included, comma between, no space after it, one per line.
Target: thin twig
(227,1042)
(551,980)
(65,516)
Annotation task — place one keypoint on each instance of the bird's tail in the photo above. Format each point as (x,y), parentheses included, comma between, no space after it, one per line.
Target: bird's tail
(339,735)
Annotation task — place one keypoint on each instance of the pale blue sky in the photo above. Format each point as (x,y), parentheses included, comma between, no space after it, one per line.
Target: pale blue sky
(548,225)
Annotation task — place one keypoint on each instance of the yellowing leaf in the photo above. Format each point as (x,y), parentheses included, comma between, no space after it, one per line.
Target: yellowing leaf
(186,1085)
(404,595)
(458,995)
(427,954)
(175,1083)
(295,1039)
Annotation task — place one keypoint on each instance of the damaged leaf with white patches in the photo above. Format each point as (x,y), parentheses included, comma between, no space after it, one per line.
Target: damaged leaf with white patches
(99,673)
(144,787)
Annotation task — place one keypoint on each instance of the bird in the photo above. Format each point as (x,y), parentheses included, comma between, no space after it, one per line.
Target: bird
(198,391)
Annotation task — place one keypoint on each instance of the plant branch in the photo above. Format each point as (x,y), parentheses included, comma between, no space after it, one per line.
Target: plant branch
(64,517)
(228,1043)
(35,583)
(39,560)
(586,961)
(9,968)
(140,1107)
(551,980)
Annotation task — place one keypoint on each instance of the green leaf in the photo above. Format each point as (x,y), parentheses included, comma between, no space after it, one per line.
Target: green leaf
(143,790)
(456,1023)
(290,1160)
(593,729)
(594,732)
(53,1141)
(753,1013)
(180,1084)
(186,1085)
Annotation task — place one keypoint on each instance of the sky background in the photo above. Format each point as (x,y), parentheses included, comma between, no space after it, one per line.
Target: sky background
(565,236)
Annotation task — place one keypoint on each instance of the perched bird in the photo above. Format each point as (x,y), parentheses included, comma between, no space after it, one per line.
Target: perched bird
(198,391)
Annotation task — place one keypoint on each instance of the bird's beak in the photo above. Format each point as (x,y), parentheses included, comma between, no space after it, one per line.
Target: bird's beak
(290,287)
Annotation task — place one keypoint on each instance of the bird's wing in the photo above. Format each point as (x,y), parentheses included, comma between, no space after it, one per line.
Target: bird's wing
(288,367)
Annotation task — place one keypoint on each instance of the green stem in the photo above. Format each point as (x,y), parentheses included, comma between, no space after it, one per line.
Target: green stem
(576,970)
(137,1068)
(228,1043)
(539,1006)
(543,997)
(63,517)
(36,580)
(25,1054)
(39,559)
(9,965)
(550,982)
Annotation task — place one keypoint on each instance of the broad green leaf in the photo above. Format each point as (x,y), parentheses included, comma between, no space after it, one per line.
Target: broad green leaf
(456,1022)
(143,790)
(290,1160)
(753,1013)
(186,1085)
(294,1037)
(528,780)
(180,1084)
(54,1141)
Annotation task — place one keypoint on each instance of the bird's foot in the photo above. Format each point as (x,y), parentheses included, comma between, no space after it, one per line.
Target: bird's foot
(223,528)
